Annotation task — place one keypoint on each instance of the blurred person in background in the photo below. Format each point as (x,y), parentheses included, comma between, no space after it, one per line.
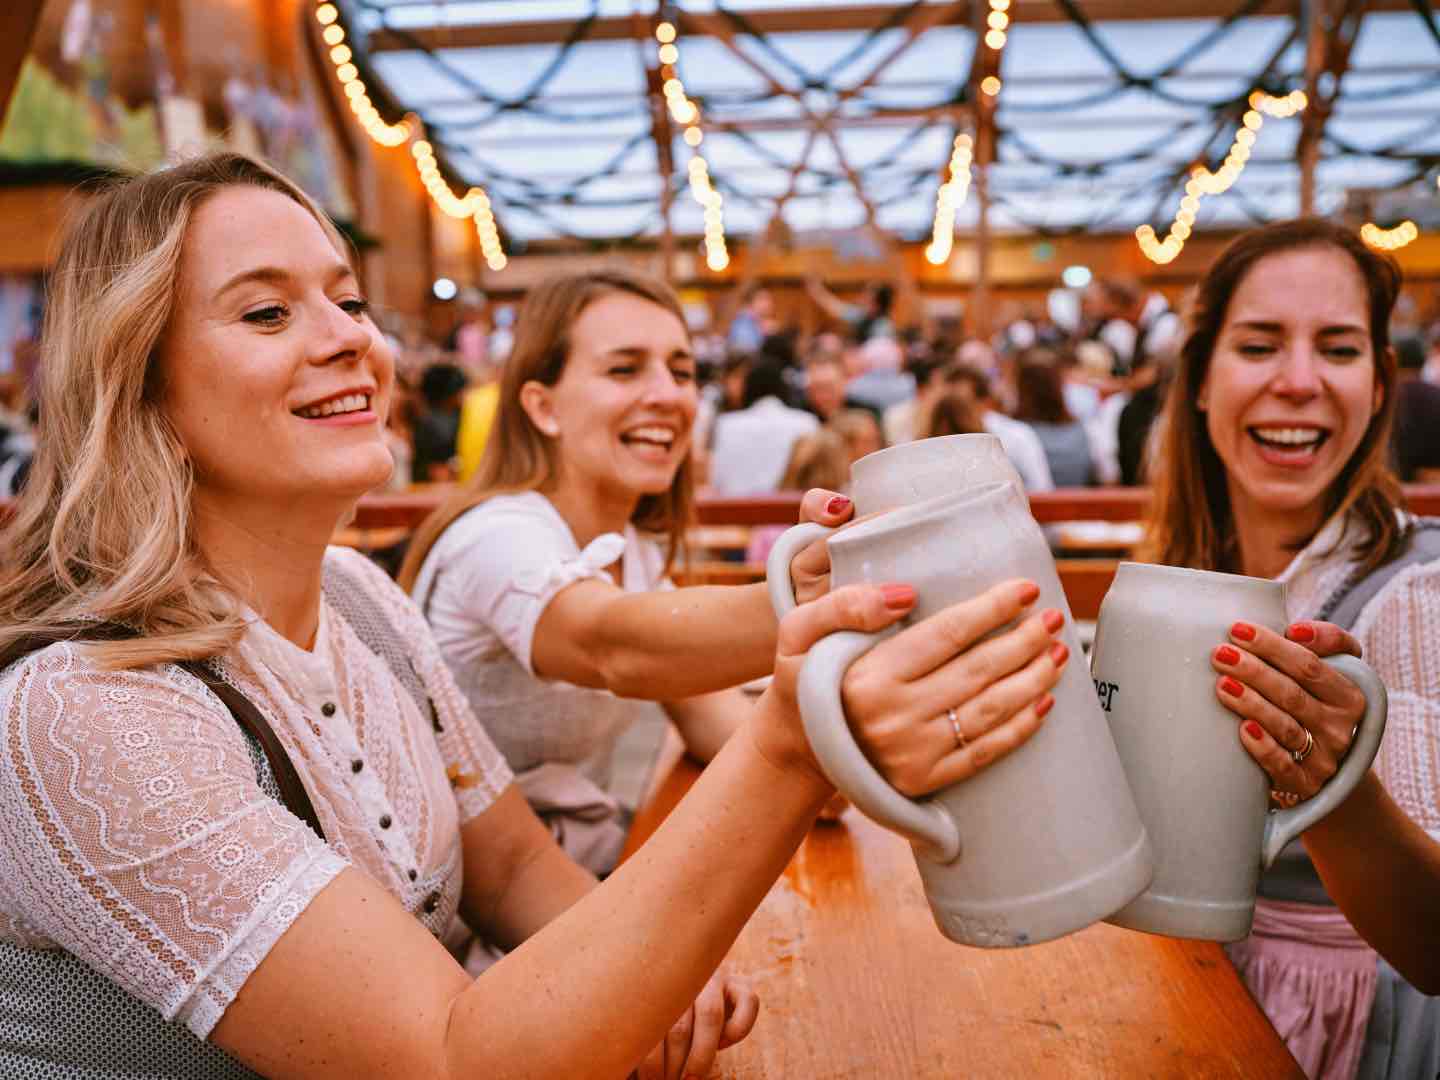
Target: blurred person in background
(818,460)
(436,429)
(879,380)
(1022,445)
(902,420)
(825,384)
(1041,393)
(1137,325)
(869,319)
(753,444)
(754,322)
(860,430)
(1416,435)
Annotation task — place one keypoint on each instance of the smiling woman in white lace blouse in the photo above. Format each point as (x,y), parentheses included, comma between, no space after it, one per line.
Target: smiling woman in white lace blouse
(1274,463)
(241,795)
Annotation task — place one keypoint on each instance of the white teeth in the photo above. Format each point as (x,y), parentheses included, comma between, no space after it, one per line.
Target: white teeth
(1290,436)
(347,404)
(663,436)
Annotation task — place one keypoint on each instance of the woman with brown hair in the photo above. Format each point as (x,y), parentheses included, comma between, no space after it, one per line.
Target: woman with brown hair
(1040,402)
(241,796)
(546,579)
(1273,463)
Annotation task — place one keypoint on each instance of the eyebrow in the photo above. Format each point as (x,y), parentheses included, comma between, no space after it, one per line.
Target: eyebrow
(641,351)
(276,276)
(1276,328)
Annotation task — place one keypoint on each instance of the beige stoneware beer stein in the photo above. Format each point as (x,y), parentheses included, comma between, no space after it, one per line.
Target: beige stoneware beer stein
(1203,798)
(913,471)
(1045,841)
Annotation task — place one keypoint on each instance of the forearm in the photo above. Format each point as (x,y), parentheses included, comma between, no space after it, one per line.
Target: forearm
(1384,873)
(663,646)
(635,951)
(546,886)
(707,722)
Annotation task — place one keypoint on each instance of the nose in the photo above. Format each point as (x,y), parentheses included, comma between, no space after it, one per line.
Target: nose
(1299,376)
(340,336)
(663,389)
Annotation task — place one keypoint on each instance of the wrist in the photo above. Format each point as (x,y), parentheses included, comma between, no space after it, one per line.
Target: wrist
(780,742)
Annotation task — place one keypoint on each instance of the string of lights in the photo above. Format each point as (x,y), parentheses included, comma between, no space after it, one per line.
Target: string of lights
(949,198)
(475,203)
(687,114)
(998,24)
(1204,182)
(1389,239)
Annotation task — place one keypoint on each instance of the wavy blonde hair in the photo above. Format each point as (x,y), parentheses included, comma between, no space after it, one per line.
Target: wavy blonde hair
(102,530)
(519,457)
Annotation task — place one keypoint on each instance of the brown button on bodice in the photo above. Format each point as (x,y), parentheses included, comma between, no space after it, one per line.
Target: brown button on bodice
(328,708)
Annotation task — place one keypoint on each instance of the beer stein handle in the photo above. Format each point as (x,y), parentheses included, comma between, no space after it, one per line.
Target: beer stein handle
(922,821)
(1284,825)
(777,567)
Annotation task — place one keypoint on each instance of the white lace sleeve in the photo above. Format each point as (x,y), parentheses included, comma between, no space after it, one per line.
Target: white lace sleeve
(1399,630)
(477,770)
(134,833)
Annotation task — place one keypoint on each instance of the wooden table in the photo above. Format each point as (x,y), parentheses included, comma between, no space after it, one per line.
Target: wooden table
(856,982)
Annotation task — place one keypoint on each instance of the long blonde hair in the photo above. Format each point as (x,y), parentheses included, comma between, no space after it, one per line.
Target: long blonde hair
(1190,522)
(102,530)
(519,457)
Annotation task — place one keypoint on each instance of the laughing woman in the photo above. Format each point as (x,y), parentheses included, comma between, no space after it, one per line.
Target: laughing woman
(1273,463)
(545,581)
(241,795)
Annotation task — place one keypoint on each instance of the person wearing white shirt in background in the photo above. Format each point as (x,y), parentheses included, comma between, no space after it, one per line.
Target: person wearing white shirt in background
(1022,446)
(753,444)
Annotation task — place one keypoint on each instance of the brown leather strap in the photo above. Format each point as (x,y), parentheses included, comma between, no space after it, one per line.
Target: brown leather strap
(251,720)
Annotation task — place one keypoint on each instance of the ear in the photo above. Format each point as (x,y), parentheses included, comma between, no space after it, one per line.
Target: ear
(539,405)
(1202,398)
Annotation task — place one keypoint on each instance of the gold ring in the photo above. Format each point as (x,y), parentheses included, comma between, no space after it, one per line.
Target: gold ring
(1304,752)
(955,727)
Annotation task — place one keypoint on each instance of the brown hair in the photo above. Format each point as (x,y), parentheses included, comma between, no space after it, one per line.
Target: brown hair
(1039,388)
(518,456)
(820,459)
(102,529)
(1190,521)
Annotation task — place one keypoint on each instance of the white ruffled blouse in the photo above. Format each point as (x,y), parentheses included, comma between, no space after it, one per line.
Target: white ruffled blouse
(137,835)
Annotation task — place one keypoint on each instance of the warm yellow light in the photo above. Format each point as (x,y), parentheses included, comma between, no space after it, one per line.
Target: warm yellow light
(995,39)
(355,89)
(1000,5)
(990,85)
(347,73)
(673,87)
(665,33)
(340,54)
(1298,99)
(1252,120)
(694,136)
(333,35)
(669,54)
(997,20)
(327,14)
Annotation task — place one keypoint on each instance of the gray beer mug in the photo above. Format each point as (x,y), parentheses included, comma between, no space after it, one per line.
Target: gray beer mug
(1043,842)
(1203,798)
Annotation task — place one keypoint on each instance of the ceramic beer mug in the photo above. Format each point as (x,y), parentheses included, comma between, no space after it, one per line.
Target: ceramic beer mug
(1203,798)
(1043,842)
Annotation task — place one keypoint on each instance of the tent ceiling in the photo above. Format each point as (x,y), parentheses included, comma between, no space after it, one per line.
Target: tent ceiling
(1105,106)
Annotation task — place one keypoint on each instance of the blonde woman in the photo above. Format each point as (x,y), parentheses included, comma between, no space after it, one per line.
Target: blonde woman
(546,581)
(241,795)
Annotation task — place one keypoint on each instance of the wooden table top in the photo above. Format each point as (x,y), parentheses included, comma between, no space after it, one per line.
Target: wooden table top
(856,982)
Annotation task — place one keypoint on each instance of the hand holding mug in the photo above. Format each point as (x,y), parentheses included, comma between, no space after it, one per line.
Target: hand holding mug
(1298,713)
(810,569)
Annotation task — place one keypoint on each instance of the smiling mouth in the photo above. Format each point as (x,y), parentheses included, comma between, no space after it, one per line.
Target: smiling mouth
(350,403)
(1289,440)
(661,438)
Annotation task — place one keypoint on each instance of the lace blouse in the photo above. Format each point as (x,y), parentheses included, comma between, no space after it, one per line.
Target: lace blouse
(140,837)
(1398,630)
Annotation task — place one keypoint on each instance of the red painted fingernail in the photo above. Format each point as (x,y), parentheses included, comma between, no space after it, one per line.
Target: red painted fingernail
(1253,729)
(1301,632)
(1052,619)
(1059,653)
(838,505)
(1242,631)
(1044,705)
(1029,592)
(1227,654)
(898,597)
(1231,687)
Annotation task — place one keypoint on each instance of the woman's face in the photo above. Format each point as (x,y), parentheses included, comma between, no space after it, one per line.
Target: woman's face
(1292,382)
(624,407)
(275,378)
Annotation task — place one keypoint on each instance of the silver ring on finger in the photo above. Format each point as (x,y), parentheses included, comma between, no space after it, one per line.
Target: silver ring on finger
(1304,752)
(955,727)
